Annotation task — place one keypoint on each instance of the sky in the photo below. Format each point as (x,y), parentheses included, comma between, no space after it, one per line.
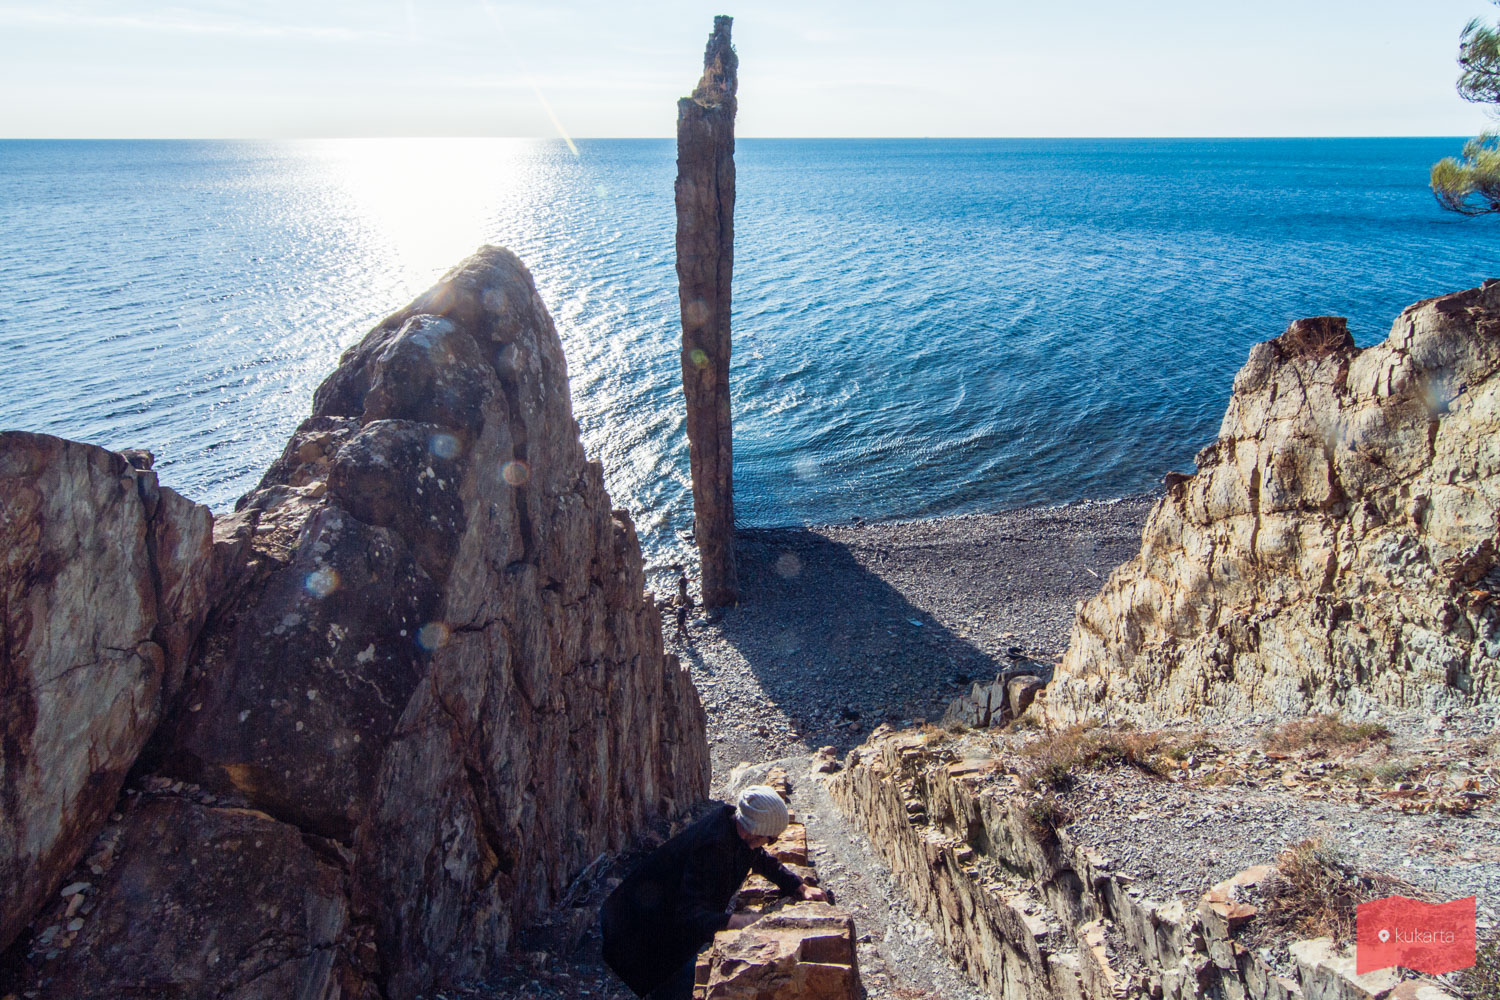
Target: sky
(331,68)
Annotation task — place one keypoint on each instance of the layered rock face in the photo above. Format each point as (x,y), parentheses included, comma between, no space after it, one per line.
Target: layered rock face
(1336,548)
(705,265)
(103,585)
(1032,912)
(432,691)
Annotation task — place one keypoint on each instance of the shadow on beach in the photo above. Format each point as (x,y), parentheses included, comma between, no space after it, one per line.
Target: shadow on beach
(845,628)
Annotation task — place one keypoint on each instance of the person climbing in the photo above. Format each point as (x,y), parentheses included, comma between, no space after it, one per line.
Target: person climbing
(684,604)
(670,907)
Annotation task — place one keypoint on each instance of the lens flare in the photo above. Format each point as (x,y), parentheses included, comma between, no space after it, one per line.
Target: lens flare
(515,473)
(443,445)
(322,582)
(788,566)
(698,357)
(433,636)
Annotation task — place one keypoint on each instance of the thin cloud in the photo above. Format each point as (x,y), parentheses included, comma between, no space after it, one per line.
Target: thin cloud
(168,24)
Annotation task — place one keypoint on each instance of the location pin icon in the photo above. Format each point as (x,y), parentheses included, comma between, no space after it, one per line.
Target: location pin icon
(1384,936)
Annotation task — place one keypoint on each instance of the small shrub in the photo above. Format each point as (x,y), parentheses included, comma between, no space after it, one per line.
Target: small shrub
(1326,732)
(1046,813)
(1315,891)
(1049,772)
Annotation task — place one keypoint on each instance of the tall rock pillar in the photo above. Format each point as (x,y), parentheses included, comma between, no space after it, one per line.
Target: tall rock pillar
(705,263)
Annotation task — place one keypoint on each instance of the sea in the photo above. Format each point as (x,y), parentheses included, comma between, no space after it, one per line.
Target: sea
(921,327)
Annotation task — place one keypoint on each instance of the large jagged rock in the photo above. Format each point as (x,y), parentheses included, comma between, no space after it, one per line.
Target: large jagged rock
(104,583)
(705,265)
(432,674)
(1336,548)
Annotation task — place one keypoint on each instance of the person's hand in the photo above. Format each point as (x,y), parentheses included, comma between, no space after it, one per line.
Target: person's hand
(813,894)
(742,919)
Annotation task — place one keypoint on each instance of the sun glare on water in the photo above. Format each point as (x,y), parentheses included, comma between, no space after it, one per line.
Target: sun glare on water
(426,204)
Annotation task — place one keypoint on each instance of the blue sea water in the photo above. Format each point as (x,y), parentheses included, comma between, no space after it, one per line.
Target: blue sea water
(922,327)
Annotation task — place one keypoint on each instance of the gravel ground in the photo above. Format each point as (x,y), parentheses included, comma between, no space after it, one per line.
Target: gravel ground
(1178,838)
(838,630)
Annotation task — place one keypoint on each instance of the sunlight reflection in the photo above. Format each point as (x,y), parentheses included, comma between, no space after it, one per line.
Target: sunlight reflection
(429,199)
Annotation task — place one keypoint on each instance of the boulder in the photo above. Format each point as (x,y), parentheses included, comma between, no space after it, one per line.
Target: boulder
(998,702)
(1336,548)
(801,952)
(1020,692)
(444,659)
(156,922)
(103,588)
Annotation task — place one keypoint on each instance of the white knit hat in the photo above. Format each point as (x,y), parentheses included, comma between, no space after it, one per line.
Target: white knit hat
(761,812)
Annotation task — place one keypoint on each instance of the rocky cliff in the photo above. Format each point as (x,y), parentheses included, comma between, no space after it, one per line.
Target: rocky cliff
(1336,548)
(705,267)
(103,584)
(431,691)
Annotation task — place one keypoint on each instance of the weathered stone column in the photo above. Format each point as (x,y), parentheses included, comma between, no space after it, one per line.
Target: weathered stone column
(705,263)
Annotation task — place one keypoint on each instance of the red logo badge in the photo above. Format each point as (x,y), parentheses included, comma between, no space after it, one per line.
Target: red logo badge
(1434,938)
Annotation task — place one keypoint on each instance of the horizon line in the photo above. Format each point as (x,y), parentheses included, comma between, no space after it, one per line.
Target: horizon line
(660,138)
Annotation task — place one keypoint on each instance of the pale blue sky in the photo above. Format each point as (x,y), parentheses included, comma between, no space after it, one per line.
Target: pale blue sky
(264,68)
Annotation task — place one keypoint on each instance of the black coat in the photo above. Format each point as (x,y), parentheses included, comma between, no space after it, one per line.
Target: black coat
(678,898)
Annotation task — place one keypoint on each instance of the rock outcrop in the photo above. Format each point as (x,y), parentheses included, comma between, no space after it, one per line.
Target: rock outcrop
(103,586)
(801,952)
(431,692)
(705,265)
(1337,547)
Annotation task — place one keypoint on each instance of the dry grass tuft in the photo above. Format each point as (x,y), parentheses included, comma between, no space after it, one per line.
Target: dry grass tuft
(1056,758)
(937,736)
(1328,733)
(1482,979)
(1315,891)
(1315,337)
(1197,743)
(1388,772)
(1046,813)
